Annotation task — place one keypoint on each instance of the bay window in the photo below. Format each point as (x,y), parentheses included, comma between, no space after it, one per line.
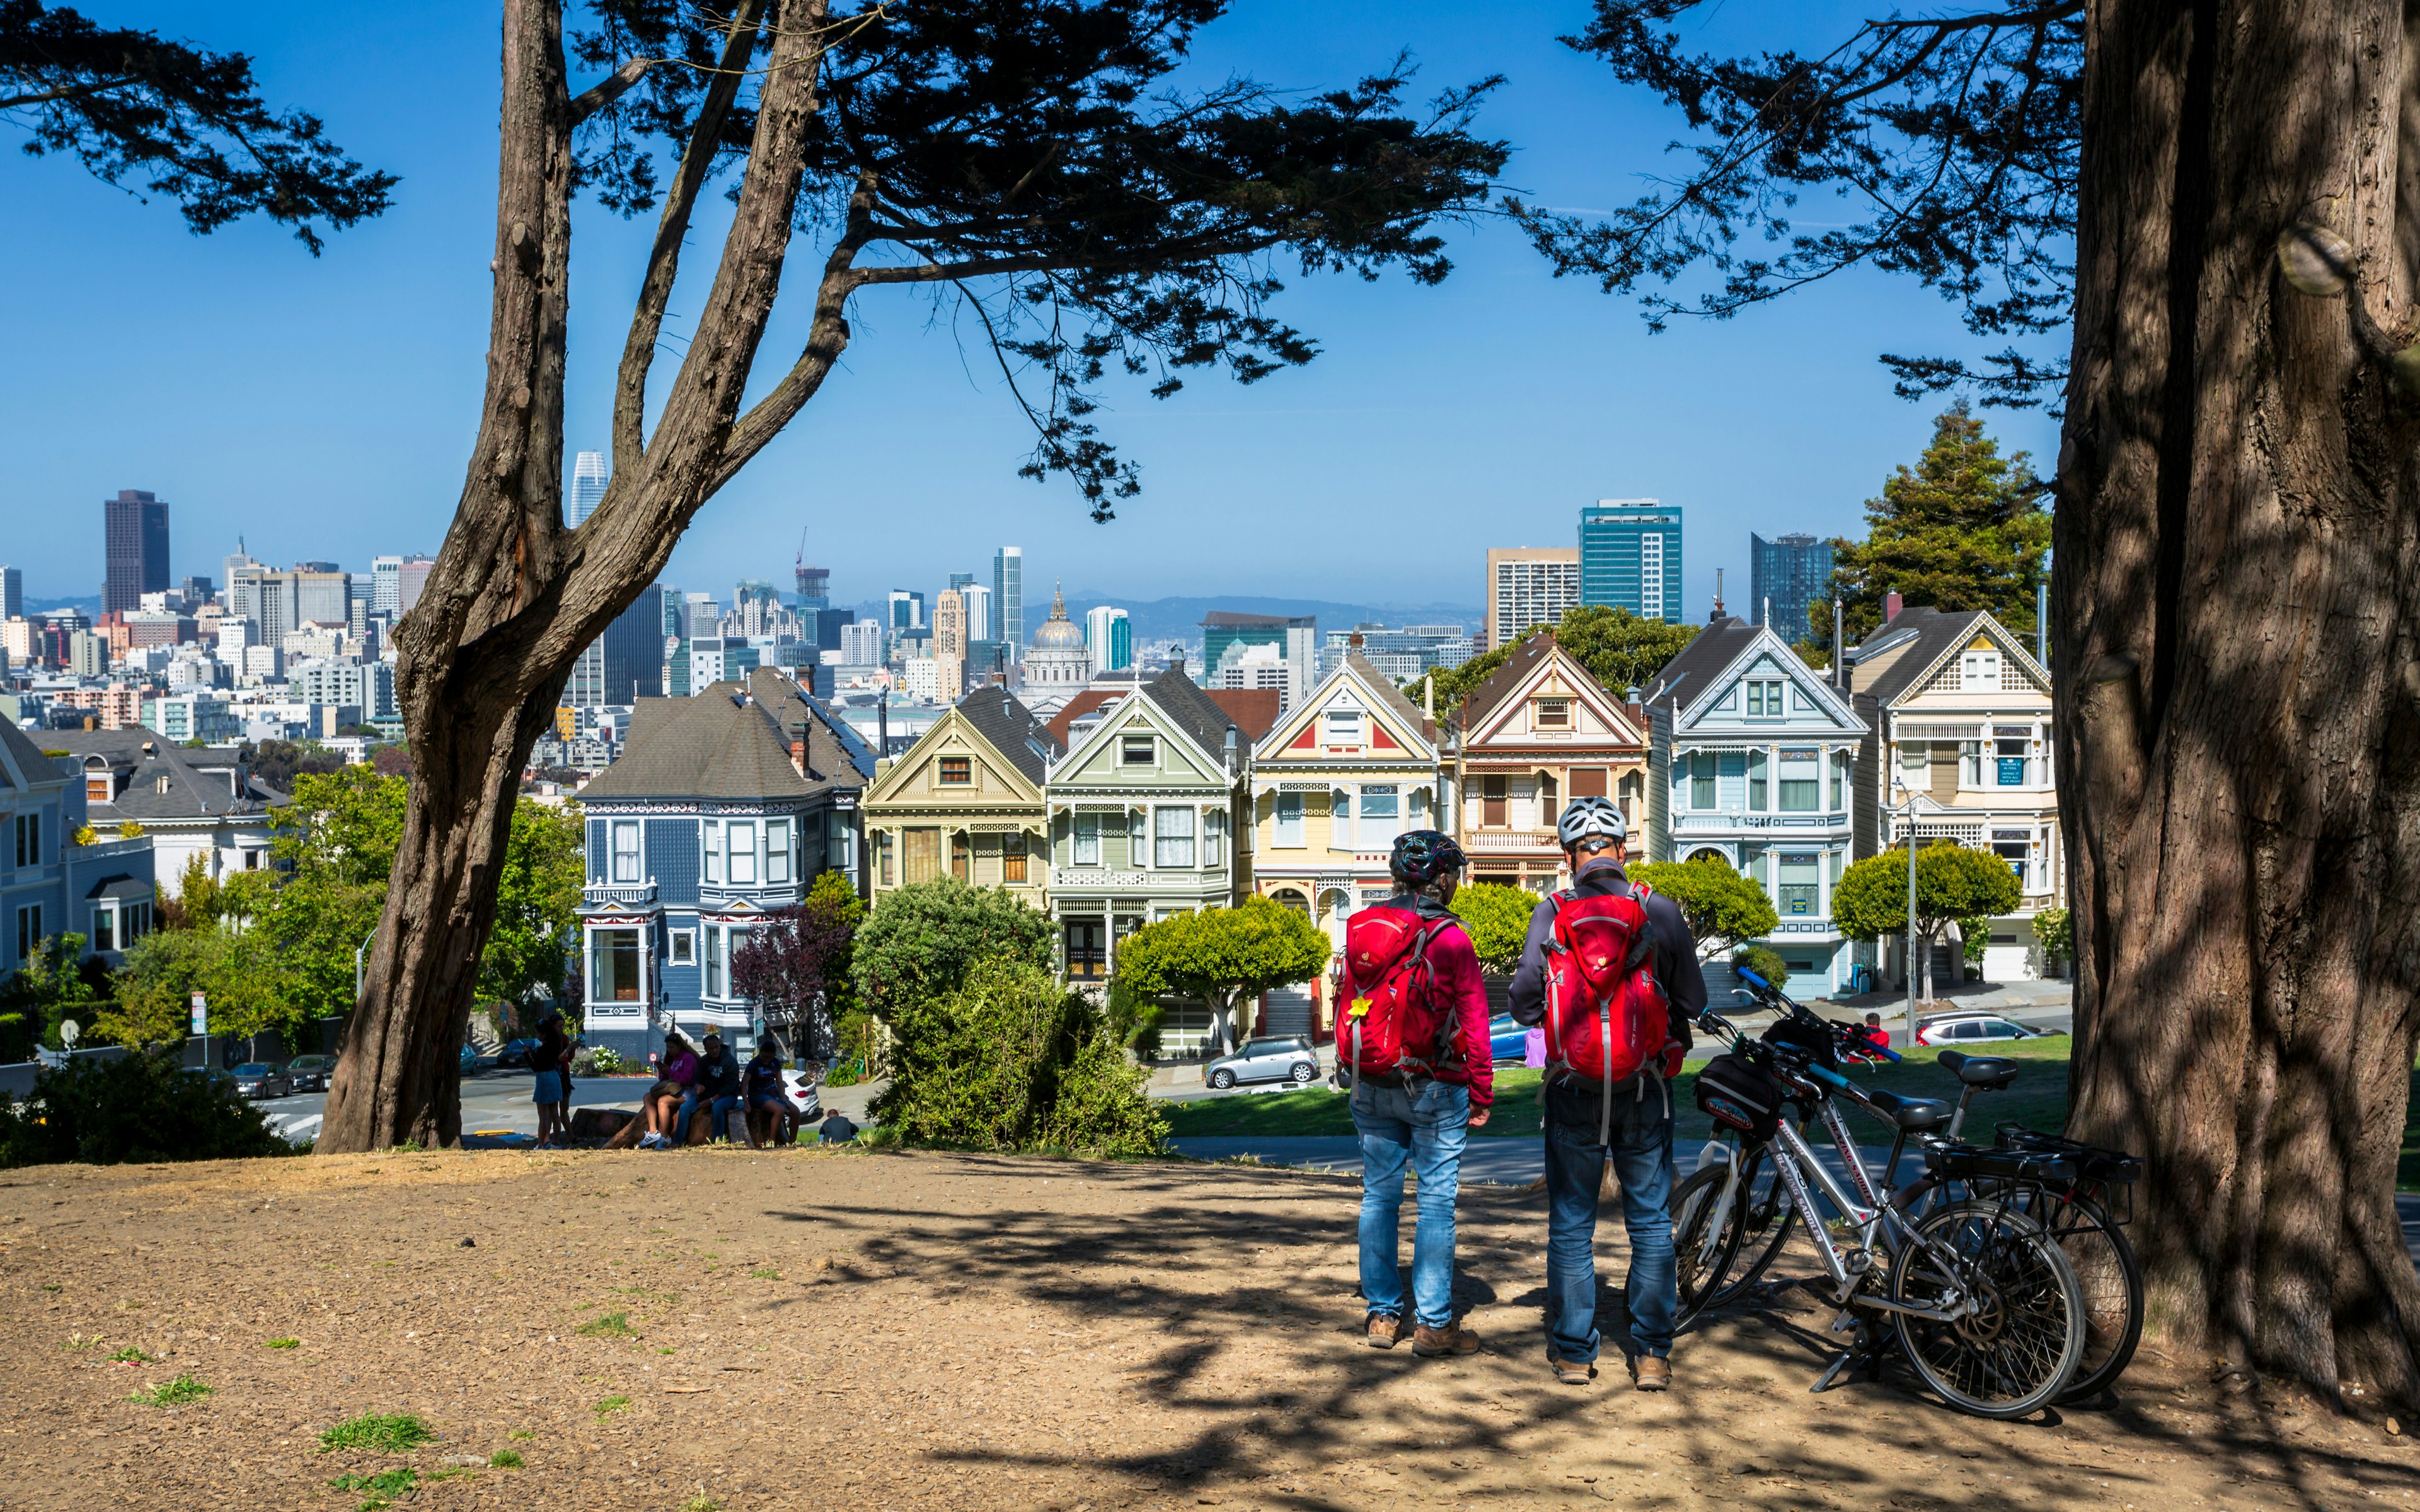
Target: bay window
(1085,847)
(1288,833)
(1701,779)
(1756,794)
(713,850)
(777,850)
(1800,889)
(1173,836)
(1802,780)
(1381,815)
(715,961)
(613,965)
(741,853)
(626,850)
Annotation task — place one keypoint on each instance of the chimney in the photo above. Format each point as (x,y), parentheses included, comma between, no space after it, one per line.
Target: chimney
(798,748)
(1890,606)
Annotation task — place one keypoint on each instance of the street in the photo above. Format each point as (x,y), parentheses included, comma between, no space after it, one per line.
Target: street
(498,1103)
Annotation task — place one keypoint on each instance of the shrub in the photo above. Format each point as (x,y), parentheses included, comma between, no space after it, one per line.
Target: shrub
(176,1393)
(1011,1061)
(140,1106)
(920,942)
(1763,960)
(597,1060)
(2054,931)
(1496,919)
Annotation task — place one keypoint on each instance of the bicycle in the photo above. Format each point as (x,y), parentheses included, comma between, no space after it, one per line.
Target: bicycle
(1985,1306)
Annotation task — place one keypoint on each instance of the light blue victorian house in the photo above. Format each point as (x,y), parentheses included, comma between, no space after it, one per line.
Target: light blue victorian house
(1752,758)
(722,807)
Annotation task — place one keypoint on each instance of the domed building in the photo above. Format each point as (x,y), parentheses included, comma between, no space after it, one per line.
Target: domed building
(1058,664)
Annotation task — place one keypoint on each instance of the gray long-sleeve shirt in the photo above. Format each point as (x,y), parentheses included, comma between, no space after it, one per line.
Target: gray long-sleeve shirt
(1676,950)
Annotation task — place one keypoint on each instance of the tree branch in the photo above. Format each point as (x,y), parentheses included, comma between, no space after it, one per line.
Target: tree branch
(80,91)
(612,88)
(827,337)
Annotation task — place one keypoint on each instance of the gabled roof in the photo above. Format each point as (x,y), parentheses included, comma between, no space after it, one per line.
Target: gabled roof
(1709,654)
(1925,638)
(1526,656)
(1528,666)
(1080,705)
(1392,696)
(159,781)
(26,757)
(1191,710)
(1375,688)
(1010,728)
(721,743)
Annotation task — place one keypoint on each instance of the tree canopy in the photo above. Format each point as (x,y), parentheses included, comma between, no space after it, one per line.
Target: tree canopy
(1621,650)
(1225,955)
(794,966)
(183,122)
(921,941)
(1953,883)
(1496,919)
(1963,529)
(1725,910)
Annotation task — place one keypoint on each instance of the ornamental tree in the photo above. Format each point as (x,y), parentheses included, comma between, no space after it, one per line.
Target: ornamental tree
(1953,884)
(1963,529)
(795,965)
(921,940)
(1725,910)
(1496,919)
(1025,165)
(1223,956)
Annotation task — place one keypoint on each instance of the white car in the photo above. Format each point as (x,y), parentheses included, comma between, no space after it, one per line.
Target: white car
(1961,1030)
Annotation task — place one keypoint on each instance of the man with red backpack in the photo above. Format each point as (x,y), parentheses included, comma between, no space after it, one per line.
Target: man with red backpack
(1412,1045)
(1611,971)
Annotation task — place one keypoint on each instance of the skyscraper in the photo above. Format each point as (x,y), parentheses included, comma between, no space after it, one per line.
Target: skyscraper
(1227,638)
(1008,599)
(12,593)
(322,598)
(979,606)
(907,609)
(228,564)
(627,662)
(1529,585)
(589,476)
(1110,636)
(410,578)
(1630,557)
(814,587)
(135,531)
(1789,576)
(385,585)
(950,643)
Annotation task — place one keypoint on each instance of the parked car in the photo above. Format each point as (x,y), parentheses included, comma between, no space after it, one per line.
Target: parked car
(1968,1028)
(260,1079)
(309,1073)
(1289,1058)
(515,1052)
(1506,1040)
(212,1073)
(470,1058)
(805,1090)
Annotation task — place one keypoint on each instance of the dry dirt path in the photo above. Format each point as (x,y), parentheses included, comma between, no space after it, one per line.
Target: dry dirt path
(864,1332)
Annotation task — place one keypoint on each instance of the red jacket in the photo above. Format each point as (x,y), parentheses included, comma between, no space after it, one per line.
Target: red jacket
(1454,968)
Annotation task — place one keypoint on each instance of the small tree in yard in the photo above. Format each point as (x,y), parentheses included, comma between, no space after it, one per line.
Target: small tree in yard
(921,941)
(1725,910)
(1223,956)
(795,962)
(1953,884)
(1496,919)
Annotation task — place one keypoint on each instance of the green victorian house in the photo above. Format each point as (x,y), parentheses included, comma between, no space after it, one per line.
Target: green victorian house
(1144,824)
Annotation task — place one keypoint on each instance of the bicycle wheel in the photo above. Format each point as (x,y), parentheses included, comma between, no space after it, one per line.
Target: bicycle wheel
(1702,1252)
(1765,1221)
(2019,1352)
(2106,1269)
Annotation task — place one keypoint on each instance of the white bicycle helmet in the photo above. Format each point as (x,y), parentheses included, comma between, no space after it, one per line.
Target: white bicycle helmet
(1584,817)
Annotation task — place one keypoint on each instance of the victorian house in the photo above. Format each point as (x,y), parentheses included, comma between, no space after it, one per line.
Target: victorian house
(722,807)
(1958,746)
(966,801)
(1142,811)
(1537,733)
(50,884)
(1751,758)
(1333,784)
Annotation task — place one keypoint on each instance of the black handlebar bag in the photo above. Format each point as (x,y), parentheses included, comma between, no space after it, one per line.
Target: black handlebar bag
(1739,1093)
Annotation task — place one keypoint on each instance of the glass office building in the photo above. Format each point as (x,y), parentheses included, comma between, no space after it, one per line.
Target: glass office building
(1630,557)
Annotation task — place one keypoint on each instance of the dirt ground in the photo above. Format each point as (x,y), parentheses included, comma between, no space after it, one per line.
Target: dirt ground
(863,1331)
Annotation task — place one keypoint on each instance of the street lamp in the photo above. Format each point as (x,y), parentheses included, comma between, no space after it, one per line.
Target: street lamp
(1900,790)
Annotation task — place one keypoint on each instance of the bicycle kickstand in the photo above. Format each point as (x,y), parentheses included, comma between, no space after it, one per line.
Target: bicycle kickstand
(1860,1354)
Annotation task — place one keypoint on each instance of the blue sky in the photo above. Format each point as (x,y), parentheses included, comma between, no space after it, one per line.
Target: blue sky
(324,408)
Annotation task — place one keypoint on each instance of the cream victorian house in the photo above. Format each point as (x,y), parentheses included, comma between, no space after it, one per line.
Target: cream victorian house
(966,801)
(1959,718)
(1333,784)
(1537,733)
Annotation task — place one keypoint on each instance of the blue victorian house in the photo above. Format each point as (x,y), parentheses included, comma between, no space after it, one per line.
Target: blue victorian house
(722,807)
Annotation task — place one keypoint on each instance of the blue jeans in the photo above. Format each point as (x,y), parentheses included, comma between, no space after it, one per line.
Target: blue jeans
(718,1113)
(1642,1162)
(1425,1123)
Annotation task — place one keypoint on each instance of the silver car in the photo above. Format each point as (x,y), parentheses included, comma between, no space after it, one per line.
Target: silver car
(1279,1058)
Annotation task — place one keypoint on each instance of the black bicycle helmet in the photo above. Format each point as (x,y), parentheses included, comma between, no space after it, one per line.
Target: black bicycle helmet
(1422,855)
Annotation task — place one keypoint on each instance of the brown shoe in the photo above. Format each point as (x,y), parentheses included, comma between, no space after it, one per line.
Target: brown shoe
(1570,1372)
(1652,1372)
(1454,1339)
(1385,1330)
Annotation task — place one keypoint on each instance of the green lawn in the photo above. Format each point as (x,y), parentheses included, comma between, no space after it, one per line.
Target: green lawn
(2037,1099)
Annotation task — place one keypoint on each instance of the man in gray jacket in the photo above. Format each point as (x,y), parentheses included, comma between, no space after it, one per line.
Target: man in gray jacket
(1597,840)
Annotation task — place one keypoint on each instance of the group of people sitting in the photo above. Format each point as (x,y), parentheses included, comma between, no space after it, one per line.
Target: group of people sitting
(715,1080)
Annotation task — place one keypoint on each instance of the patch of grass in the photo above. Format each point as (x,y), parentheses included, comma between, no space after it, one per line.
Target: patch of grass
(520,1433)
(452,1473)
(609,1326)
(505,1458)
(701,1502)
(385,1483)
(50,1286)
(762,1274)
(131,1355)
(176,1393)
(410,1147)
(664,1349)
(393,1433)
(610,1406)
(285,1344)
(81,1341)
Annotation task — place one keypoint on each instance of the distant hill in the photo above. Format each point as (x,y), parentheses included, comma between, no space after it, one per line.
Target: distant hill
(1180,619)
(90,604)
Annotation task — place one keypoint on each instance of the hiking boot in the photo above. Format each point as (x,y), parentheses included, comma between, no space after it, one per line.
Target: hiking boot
(1384,1331)
(1454,1339)
(1652,1372)
(1570,1372)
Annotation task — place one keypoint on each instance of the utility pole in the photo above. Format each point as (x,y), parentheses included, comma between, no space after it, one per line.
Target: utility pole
(1911,918)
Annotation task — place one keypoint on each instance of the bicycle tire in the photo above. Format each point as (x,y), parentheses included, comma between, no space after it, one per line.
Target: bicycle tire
(1757,1228)
(2017,1355)
(1767,1216)
(2105,1266)
(1700,1259)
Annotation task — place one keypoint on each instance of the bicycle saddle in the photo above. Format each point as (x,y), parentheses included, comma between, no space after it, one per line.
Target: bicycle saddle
(1916,1115)
(1991,1072)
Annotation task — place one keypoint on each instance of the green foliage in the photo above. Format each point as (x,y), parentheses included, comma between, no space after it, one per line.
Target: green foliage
(184,1388)
(1952,883)
(285,1344)
(1134,1017)
(393,1433)
(2054,931)
(1763,960)
(532,947)
(1619,649)
(610,1406)
(920,942)
(1225,955)
(1496,919)
(608,1326)
(1011,1061)
(392,1482)
(1962,530)
(504,1459)
(1723,907)
(49,988)
(129,1355)
(139,1106)
(1973,936)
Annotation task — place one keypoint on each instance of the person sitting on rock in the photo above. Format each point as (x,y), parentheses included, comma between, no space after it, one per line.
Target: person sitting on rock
(767,1098)
(656,1107)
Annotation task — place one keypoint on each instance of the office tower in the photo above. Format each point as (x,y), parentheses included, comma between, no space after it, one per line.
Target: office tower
(1630,557)
(627,661)
(385,585)
(87,655)
(589,476)
(235,559)
(861,644)
(195,592)
(323,596)
(1406,654)
(411,578)
(950,646)
(907,609)
(12,593)
(701,617)
(1228,638)
(1789,576)
(961,579)
(1110,636)
(1529,585)
(135,531)
(979,606)
(814,587)
(1008,598)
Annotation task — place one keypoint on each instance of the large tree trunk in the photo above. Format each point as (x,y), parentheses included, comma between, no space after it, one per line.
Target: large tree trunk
(2236,580)
(515,596)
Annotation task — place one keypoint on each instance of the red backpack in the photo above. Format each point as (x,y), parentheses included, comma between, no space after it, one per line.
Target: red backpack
(1606,1017)
(1391,1020)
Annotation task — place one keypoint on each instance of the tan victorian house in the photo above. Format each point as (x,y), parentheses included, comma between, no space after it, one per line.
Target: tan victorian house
(1536,734)
(966,801)
(1334,781)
